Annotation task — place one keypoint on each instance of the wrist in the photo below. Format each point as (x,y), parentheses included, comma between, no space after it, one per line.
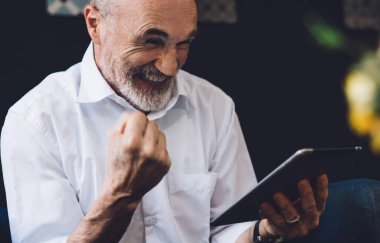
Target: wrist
(118,201)
(260,237)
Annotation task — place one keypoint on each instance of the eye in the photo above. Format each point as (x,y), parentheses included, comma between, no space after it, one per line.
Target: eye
(154,42)
(184,44)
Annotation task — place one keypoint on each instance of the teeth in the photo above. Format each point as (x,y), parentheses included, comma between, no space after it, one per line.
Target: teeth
(153,78)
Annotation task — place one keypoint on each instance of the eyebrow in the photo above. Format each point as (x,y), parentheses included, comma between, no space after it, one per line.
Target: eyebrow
(163,34)
(155,31)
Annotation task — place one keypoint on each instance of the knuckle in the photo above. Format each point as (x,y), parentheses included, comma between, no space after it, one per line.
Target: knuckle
(148,153)
(132,143)
(139,115)
(303,231)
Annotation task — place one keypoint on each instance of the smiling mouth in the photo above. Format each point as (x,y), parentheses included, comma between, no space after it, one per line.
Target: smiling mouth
(150,82)
(151,78)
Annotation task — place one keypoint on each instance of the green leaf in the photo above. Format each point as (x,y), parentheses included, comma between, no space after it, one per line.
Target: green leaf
(325,34)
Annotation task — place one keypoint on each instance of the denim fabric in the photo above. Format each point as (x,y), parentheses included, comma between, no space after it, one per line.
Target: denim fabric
(352,214)
(5,235)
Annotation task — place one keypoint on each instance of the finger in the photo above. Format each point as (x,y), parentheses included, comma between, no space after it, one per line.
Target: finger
(120,124)
(149,145)
(308,204)
(135,122)
(151,134)
(321,192)
(134,131)
(161,143)
(127,116)
(269,212)
(285,206)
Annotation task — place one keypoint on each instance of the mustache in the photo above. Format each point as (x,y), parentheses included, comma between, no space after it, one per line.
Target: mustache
(149,71)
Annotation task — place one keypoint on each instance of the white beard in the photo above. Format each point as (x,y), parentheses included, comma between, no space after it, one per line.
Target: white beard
(151,100)
(121,80)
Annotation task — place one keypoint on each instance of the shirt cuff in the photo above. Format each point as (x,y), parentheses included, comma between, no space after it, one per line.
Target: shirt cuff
(228,234)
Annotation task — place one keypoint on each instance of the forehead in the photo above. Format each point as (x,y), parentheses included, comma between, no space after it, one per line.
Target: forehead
(172,16)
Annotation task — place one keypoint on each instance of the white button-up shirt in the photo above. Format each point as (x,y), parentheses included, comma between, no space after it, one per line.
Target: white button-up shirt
(54,157)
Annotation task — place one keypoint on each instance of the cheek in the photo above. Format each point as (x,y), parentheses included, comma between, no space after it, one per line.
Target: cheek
(138,58)
(141,57)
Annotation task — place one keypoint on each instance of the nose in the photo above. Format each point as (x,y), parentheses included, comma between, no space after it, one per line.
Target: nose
(167,63)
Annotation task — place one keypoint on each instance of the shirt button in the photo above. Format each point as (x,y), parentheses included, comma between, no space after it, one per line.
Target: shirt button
(152,221)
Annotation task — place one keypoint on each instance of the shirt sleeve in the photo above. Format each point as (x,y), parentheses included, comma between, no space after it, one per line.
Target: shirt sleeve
(42,204)
(236,177)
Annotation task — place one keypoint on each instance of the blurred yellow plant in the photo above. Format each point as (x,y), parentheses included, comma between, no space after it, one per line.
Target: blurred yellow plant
(362,91)
(362,82)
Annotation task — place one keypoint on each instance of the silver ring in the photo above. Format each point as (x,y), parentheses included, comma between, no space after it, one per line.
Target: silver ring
(295,221)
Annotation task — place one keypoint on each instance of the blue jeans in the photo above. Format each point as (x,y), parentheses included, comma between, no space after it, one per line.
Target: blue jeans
(352,214)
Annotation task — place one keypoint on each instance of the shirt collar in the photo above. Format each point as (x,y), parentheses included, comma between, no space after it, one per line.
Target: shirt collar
(94,88)
(181,100)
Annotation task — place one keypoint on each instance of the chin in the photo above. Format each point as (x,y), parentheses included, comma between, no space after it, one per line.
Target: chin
(148,100)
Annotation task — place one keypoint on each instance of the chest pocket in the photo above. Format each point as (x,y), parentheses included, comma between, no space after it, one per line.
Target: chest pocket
(190,198)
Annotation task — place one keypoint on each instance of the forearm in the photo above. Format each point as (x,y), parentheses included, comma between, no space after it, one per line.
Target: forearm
(106,221)
(137,161)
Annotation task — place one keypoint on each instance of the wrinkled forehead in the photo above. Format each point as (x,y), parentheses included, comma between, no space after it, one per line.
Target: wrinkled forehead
(170,15)
(164,9)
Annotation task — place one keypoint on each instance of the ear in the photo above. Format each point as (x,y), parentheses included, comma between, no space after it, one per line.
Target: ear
(93,18)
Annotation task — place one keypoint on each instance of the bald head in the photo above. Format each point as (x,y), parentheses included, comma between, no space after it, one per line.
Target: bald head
(106,7)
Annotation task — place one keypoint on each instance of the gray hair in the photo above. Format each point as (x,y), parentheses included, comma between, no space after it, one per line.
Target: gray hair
(103,6)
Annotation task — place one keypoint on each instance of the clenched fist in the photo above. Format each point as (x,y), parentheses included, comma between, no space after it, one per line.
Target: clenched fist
(137,156)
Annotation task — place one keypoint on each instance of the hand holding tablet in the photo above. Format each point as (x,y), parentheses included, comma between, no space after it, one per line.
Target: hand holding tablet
(309,163)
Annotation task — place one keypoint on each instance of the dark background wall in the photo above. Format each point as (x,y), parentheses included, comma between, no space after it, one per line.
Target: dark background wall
(287,90)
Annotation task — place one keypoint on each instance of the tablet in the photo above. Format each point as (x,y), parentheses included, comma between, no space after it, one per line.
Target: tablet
(338,163)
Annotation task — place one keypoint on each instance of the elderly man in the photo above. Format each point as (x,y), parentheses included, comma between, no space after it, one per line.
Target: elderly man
(125,146)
